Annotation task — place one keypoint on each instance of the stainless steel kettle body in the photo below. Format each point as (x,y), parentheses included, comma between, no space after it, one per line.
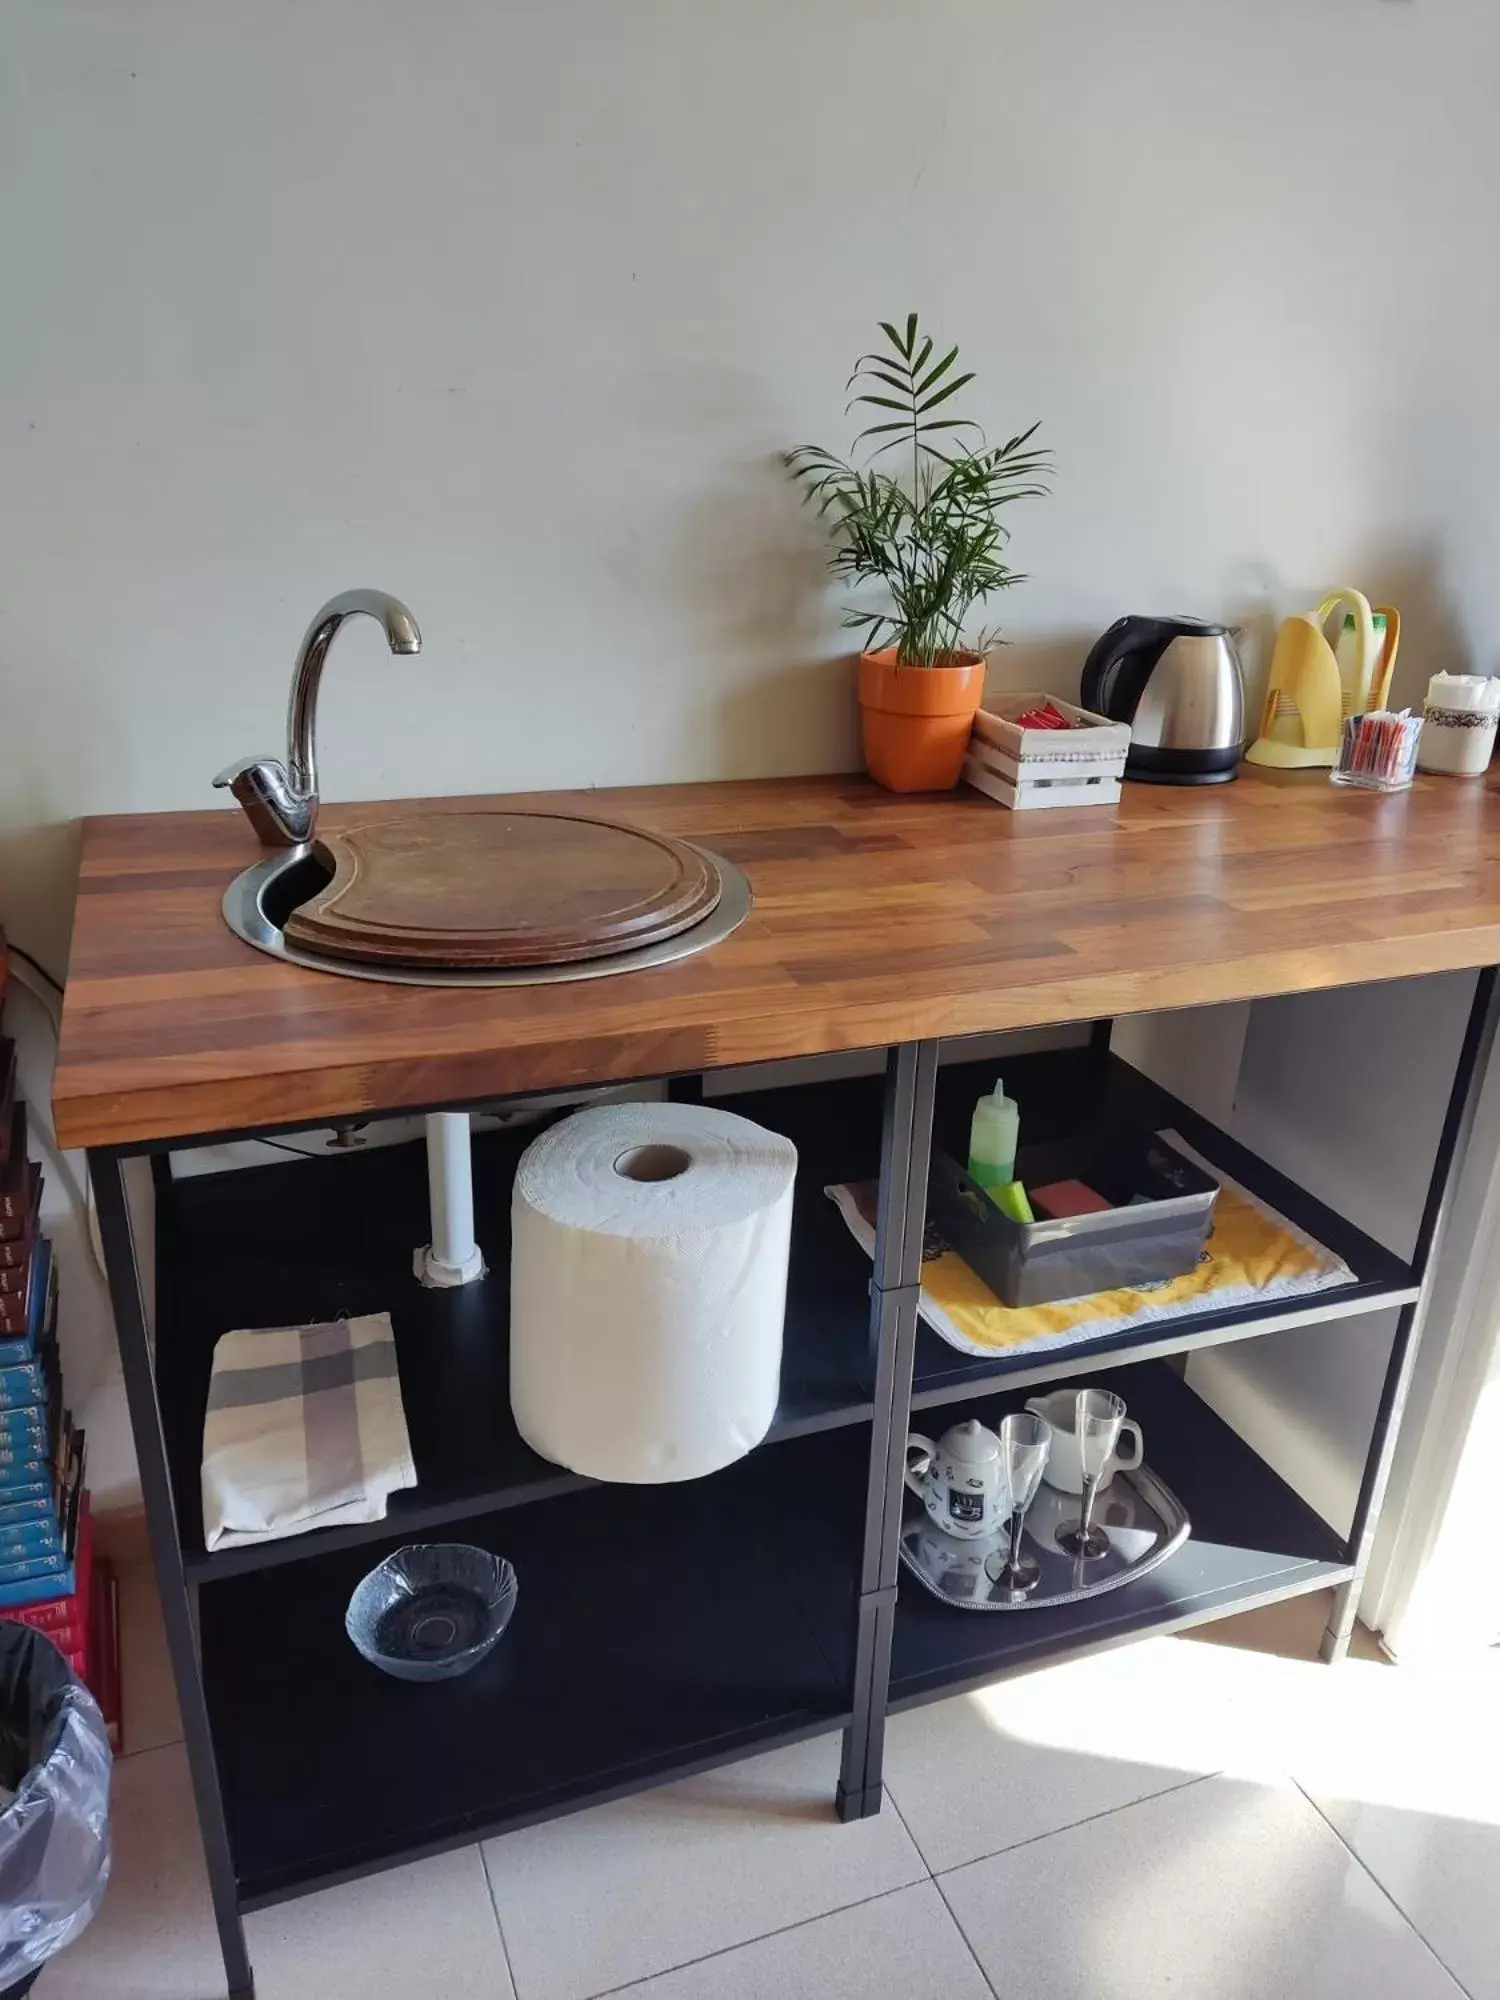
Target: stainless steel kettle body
(1177,682)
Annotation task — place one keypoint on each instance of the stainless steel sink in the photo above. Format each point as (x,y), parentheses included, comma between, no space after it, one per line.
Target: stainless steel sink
(257,904)
(280,800)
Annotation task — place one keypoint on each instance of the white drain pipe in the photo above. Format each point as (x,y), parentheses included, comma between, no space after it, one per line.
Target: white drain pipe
(452,1257)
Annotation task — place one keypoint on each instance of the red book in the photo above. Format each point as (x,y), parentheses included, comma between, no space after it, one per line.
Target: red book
(74,1646)
(15,1180)
(16,1308)
(62,1620)
(15,1251)
(77,1659)
(7,1101)
(104,1653)
(14,1278)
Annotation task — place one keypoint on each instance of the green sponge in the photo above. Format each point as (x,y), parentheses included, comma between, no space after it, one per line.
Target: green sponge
(1010,1199)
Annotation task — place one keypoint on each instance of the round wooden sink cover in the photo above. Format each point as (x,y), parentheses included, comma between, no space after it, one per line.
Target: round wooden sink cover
(501,889)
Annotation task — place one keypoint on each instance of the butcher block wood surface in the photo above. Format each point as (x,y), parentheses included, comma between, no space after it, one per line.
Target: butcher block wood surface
(877,919)
(501,889)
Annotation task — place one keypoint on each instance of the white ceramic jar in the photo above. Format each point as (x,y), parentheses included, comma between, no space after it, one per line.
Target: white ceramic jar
(1458,725)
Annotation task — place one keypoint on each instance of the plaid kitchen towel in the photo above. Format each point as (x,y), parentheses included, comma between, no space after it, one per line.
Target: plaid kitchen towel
(305,1429)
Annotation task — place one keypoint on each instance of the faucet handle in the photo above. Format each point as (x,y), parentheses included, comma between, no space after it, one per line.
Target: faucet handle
(226,780)
(281,815)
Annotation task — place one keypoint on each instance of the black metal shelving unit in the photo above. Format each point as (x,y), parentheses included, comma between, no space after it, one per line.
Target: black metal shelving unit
(662,1630)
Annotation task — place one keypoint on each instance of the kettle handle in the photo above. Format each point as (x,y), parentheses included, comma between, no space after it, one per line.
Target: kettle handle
(1130,641)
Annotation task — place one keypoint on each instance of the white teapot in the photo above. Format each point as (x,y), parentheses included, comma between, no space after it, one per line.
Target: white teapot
(959,1480)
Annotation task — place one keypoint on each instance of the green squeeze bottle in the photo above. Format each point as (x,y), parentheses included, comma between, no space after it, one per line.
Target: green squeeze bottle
(992,1141)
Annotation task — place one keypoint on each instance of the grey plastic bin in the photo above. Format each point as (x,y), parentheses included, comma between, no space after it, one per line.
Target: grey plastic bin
(1156,1231)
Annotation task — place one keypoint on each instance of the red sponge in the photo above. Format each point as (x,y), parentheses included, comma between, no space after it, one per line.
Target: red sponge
(1060,1198)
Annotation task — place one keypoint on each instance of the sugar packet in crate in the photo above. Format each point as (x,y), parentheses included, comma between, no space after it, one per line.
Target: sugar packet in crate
(1034,750)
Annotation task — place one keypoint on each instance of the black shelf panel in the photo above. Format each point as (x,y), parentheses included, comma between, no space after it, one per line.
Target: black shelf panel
(1075,1090)
(656,1631)
(276,1245)
(1253,1540)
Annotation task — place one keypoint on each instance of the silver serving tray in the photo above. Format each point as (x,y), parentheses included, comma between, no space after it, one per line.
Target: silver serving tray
(1144,1519)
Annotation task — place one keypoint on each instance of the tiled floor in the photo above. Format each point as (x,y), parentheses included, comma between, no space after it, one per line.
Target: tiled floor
(1222,1821)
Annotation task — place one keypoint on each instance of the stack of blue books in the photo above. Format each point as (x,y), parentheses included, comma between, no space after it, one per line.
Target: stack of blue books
(41,1454)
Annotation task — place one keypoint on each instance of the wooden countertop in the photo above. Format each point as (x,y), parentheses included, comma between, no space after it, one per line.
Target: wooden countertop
(877,919)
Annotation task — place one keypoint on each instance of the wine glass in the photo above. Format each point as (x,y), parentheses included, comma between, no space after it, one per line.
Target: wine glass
(1097,1418)
(1025,1440)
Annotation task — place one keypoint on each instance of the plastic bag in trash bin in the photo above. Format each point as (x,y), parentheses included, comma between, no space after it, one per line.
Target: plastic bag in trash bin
(54,1833)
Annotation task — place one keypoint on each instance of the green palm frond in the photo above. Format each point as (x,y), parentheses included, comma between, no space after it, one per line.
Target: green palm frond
(932,543)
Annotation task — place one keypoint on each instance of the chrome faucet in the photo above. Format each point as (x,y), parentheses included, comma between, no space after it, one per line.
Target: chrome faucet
(281,800)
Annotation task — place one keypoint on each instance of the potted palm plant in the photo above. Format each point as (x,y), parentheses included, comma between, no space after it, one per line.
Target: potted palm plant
(930,536)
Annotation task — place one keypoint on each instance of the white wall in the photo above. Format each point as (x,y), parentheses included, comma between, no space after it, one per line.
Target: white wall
(507,305)
(1194,1052)
(1345,1092)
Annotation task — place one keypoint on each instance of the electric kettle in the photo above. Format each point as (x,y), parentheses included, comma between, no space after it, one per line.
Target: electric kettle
(1177,682)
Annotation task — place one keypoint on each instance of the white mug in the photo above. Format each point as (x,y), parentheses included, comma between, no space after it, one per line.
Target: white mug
(959,1480)
(1064,1466)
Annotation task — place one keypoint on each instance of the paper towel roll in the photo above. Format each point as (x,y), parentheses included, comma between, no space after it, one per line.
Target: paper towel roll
(648,1289)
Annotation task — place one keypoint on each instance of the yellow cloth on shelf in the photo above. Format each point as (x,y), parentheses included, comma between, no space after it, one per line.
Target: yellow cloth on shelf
(1252,1255)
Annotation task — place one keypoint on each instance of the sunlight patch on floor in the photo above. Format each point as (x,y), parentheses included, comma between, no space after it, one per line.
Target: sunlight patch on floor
(1414,1736)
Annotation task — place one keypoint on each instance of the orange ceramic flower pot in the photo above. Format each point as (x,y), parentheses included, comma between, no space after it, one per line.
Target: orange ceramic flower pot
(915,721)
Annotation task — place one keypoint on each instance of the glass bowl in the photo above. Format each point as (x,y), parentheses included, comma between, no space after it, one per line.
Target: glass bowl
(432,1610)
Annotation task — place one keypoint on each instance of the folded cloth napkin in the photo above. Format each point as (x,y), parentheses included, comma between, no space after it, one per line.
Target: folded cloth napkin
(304,1429)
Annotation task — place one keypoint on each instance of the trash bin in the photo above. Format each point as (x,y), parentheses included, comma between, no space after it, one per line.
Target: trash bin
(54,1805)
